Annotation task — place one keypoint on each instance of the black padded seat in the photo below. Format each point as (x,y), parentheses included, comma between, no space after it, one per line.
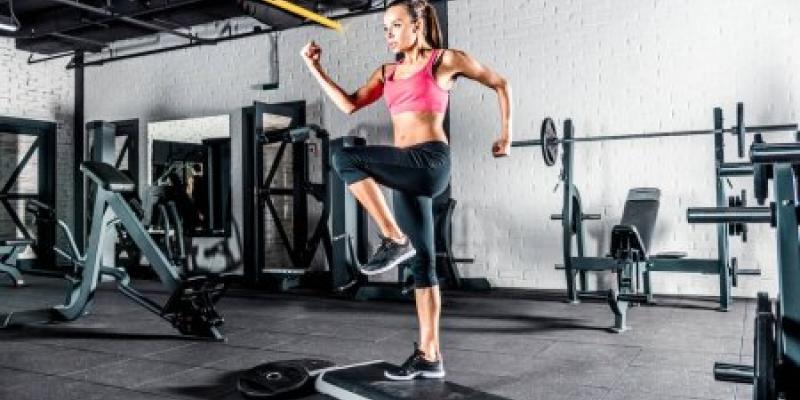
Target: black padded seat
(295,135)
(635,230)
(107,177)
(16,242)
(671,255)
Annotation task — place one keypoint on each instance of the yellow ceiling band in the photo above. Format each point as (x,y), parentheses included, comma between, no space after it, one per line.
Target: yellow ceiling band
(305,13)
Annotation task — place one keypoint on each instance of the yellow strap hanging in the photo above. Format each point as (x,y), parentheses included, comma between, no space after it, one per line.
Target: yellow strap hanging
(305,13)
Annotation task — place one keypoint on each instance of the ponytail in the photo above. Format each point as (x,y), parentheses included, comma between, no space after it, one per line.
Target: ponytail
(422,9)
(433,34)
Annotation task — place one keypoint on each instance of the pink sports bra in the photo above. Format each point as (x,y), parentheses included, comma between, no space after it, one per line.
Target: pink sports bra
(418,92)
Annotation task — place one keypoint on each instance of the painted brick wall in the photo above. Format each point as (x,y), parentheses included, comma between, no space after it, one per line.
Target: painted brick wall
(612,66)
(41,91)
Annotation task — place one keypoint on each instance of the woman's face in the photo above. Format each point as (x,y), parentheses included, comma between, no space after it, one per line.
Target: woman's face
(399,30)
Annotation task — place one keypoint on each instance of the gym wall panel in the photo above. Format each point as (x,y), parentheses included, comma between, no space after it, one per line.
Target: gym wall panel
(614,67)
(43,91)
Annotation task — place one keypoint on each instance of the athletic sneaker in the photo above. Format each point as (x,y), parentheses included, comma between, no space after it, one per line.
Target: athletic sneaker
(417,367)
(389,255)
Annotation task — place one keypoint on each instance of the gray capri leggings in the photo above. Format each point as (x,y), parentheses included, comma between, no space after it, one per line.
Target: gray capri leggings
(417,174)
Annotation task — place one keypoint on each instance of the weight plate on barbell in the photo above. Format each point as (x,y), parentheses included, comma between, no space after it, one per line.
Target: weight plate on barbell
(549,140)
(761,182)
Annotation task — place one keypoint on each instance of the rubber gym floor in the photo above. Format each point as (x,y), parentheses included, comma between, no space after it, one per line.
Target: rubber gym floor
(515,344)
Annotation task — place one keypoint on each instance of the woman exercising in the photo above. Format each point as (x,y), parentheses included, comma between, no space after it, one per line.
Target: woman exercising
(417,167)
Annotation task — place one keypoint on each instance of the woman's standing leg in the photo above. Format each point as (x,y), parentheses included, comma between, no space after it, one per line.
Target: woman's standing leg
(415,215)
(429,308)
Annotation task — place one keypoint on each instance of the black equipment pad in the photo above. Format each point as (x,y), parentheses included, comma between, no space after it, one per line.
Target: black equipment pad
(671,255)
(16,242)
(108,177)
(367,382)
(640,212)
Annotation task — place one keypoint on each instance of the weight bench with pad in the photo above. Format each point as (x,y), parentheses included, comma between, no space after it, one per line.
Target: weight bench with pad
(9,250)
(192,298)
(630,248)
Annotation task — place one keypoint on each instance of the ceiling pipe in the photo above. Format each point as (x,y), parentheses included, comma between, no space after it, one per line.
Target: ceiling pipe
(103,22)
(129,20)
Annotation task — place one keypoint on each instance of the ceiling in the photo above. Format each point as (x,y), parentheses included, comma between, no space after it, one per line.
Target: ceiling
(58,26)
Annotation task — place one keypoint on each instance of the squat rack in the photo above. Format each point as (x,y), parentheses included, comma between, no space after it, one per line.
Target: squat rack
(44,146)
(572,215)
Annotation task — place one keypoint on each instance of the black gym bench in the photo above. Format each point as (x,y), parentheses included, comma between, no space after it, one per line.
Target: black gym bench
(572,218)
(629,253)
(190,306)
(629,256)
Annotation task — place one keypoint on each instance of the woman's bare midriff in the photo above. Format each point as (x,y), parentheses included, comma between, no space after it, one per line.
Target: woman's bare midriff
(413,127)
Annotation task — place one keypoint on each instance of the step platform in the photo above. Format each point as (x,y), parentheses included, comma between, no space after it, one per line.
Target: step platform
(367,382)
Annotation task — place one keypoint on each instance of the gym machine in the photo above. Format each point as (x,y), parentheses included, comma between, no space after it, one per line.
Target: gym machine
(629,256)
(43,148)
(341,226)
(776,356)
(103,139)
(283,126)
(192,297)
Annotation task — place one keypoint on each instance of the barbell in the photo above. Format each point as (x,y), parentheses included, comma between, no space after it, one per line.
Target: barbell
(549,140)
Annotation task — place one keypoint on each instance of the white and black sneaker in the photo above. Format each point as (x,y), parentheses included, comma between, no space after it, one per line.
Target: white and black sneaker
(417,367)
(389,255)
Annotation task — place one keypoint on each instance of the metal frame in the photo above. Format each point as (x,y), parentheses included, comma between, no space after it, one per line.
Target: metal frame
(706,266)
(125,18)
(45,144)
(258,191)
(104,149)
(217,168)
(349,227)
(576,265)
(776,338)
(380,7)
(190,307)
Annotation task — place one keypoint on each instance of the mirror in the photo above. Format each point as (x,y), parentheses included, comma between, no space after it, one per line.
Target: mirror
(189,163)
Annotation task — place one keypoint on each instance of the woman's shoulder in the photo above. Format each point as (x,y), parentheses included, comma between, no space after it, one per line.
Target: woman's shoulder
(450,56)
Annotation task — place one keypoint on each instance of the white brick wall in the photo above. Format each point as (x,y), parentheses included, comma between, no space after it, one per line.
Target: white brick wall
(45,92)
(613,66)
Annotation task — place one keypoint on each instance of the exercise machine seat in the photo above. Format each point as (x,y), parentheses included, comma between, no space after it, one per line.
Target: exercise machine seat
(107,177)
(16,242)
(631,238)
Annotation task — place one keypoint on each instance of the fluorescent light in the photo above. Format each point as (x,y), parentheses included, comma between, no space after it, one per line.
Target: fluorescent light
(8,24)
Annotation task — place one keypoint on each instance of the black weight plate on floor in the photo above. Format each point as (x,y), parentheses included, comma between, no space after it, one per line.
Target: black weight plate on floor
(549,140)
(272,380)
